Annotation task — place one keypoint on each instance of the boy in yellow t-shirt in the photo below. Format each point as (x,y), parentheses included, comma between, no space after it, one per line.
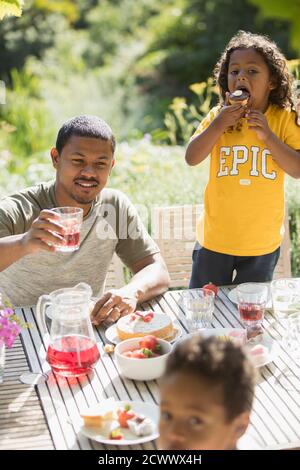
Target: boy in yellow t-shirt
(251,146)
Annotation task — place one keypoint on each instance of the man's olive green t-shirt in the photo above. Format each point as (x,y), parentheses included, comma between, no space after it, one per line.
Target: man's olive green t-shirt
(111,226)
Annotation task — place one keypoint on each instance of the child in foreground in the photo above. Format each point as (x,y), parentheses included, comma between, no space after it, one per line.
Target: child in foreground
(206,395)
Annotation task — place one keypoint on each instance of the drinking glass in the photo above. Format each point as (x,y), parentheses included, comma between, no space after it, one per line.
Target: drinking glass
(292,338)
(285,297)
(252,299)
(71,219)
(198,306)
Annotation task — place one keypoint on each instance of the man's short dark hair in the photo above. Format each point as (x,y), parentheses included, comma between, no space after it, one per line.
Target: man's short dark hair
(84,126)
(220,363)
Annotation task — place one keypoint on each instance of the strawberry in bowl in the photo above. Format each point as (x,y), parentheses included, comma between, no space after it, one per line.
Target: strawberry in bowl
(142,358)
(148,347)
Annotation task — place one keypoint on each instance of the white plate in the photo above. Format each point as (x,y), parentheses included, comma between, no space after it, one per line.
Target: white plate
(264,339)
(221,331)
(147,409)
(233,297)
(112,335)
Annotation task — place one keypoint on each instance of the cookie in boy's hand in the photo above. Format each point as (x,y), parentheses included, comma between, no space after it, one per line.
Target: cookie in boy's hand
(239,97)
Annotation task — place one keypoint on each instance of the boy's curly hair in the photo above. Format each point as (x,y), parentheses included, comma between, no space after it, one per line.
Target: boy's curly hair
(282,94)
(220,363)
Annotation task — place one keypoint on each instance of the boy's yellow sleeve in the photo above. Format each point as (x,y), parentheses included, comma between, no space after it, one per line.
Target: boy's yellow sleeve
(292,131)
(206,121)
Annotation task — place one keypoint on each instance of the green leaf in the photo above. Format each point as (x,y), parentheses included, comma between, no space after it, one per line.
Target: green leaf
(10,7)
(147,352)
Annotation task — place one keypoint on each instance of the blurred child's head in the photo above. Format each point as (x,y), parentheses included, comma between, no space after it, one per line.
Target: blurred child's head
(251,55)
(206,395)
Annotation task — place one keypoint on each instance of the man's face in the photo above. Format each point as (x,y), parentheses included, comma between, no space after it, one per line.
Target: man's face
(193,416)
(83,168)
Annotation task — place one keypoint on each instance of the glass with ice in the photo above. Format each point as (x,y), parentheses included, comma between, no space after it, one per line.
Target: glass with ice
(198,306)
(285,297)
(71,219)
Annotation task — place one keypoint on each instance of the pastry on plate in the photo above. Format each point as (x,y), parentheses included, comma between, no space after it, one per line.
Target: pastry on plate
(139,324)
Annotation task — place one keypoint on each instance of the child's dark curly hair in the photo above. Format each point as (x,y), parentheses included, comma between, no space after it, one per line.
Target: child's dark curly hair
(281,95)
(220,363)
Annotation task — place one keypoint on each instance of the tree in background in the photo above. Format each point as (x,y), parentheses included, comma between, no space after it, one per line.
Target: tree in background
(10,7)
(288,10)
(189,35)
(34,32)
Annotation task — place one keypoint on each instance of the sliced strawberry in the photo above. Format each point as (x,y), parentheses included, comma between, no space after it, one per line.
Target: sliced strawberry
(116,434)
(149,342)
(125,415)
(148,317)
(138,354)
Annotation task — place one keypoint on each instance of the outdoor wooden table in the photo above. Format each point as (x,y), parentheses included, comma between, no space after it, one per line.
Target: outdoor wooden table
(42,416)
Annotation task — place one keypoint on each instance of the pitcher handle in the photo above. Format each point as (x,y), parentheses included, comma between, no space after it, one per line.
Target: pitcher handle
(43,302)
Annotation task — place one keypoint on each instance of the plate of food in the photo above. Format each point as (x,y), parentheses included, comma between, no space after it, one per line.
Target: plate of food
(144,323)
(237,335)
(120,422)
(260,348)
(232,295)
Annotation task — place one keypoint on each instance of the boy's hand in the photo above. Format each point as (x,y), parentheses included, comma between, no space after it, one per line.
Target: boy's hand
(44,233)
(230,114)
(258,122)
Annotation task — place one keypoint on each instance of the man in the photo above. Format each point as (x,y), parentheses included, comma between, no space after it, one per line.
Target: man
(29,230)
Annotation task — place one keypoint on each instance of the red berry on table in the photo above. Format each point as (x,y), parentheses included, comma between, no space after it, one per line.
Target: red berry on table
(212,287)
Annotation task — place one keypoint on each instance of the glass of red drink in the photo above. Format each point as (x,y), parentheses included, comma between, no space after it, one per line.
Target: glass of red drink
(71,219)
(252,299)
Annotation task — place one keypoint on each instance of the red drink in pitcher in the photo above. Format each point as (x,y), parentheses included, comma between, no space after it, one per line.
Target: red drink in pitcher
(72,356)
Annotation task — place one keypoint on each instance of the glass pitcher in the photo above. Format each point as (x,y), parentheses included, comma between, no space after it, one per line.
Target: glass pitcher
(72,349)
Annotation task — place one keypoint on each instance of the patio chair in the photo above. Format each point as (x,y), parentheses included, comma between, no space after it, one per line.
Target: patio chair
(115,276)
(283,267)
(174,229)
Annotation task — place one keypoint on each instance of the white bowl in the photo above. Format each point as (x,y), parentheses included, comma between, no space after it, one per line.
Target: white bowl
(141,369)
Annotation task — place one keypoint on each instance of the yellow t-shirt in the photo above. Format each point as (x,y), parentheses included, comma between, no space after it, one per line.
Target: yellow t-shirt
(244,198)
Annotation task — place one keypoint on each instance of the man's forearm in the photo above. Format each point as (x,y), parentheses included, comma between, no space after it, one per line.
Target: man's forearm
(152,280)
(287,158)
(200,147)
(11,250)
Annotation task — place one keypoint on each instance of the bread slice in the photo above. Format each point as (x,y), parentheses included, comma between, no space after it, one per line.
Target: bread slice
(97,415)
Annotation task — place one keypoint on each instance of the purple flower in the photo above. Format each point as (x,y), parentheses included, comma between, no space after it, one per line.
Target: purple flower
(10,325)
